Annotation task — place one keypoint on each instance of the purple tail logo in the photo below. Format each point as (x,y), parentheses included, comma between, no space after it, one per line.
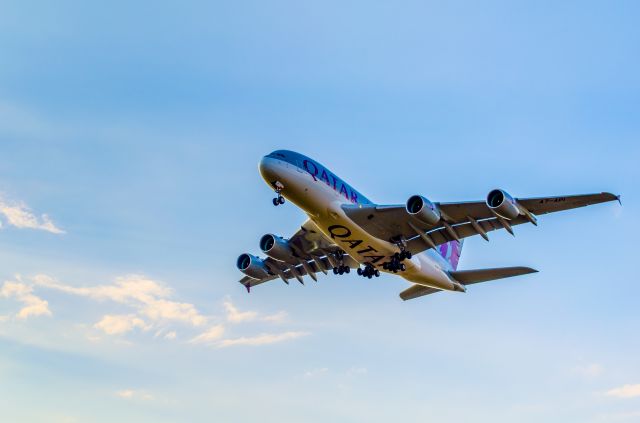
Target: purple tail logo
(451,251)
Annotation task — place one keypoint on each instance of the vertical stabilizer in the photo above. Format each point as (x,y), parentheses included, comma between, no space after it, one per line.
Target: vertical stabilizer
(451,252)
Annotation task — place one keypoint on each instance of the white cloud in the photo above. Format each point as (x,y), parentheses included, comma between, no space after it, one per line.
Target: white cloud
(33,305)
(131,394)
(171,335)
(236,316)
(263,339)
(626,391)
(119,324)
(210,335)
(278,317)
(20,215)
(151,299)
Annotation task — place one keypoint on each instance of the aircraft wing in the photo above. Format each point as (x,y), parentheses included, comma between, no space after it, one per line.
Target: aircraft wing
(459,220)
(312,254)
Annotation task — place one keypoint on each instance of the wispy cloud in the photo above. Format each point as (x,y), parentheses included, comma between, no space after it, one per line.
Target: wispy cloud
(626,391)
(264,339)
(153,308)
(32,304)
(19,215)
(316,372)
(590,371)
(212,334)
(151,299)
(119,324)
(132,394)
(234,315)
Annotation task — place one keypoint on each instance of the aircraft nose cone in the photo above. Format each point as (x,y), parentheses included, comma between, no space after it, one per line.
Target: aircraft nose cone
(267,169)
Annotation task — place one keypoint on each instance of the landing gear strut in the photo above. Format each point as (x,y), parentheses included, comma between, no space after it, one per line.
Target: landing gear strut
(278,187)
(340,269)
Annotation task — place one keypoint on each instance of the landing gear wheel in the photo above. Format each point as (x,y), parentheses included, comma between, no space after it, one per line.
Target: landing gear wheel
(335,270)
(377,273)
(359,271)
(280,199)
(347,269)
(402,267)
(408,254)
(275,202)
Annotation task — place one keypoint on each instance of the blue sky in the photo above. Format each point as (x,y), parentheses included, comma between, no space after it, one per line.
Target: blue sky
(129,142)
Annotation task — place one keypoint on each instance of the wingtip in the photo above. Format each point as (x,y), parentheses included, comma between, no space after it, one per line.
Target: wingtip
(613,197)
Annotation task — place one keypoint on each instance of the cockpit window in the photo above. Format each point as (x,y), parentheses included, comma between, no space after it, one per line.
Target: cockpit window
(277,154)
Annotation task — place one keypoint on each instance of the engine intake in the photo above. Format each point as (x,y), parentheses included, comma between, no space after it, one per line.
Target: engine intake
(423,210)
(276,247)
(252,266)
(502,204)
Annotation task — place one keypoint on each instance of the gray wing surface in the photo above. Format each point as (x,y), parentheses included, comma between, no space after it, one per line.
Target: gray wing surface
(312,251)
(415,291)
(459,220)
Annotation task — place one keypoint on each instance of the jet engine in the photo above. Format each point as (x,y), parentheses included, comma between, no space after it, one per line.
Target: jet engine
(252,266)
(502,204)
(423,210)
(276,247)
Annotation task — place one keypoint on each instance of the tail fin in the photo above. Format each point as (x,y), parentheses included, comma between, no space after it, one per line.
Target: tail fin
(451,252)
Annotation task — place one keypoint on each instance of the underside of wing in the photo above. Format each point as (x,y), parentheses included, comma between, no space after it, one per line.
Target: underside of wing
(456,221)
(286,271)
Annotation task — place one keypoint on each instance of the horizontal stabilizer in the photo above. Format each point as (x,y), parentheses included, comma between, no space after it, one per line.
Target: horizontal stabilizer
(416,291)
(468,277)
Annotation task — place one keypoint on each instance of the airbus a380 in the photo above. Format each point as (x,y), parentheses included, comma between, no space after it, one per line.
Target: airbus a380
(419,240)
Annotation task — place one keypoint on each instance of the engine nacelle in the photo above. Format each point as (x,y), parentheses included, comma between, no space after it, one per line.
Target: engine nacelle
(503,204)
(423,210)
(276,247)
(252,266)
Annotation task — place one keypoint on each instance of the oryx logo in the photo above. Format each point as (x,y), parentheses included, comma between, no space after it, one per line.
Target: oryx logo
(344,235)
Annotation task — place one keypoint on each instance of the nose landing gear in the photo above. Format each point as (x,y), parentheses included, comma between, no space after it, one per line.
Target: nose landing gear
(278,187)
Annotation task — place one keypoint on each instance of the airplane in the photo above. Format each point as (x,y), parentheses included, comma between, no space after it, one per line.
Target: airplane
(420,240)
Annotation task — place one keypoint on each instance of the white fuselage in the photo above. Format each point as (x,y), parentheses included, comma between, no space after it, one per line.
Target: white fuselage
(321,199)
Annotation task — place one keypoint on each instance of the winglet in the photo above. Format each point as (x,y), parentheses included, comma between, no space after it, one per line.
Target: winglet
(248,286)
(618,197)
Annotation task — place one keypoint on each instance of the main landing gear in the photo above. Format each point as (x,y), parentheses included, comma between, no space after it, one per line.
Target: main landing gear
(341,270)
(369,271)
(395,264)
(278,187)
